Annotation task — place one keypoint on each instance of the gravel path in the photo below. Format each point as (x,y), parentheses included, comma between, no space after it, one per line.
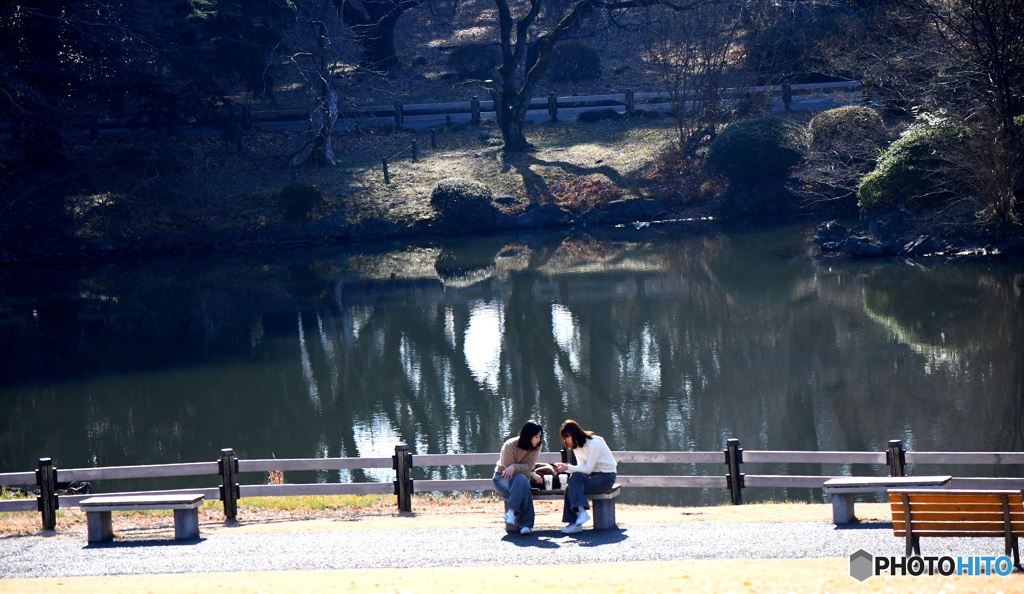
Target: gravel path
(28,557)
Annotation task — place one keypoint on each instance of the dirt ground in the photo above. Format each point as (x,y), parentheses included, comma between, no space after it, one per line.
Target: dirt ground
(787,575)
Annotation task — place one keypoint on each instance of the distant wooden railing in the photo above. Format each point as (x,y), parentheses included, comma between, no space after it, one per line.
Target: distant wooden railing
(47,477)
(551,108)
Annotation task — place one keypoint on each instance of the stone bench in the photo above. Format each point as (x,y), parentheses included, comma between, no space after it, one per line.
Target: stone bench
(601,504)
(186,512)
(844,489)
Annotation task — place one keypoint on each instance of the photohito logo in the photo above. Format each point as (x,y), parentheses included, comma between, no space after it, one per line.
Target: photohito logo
(864,565)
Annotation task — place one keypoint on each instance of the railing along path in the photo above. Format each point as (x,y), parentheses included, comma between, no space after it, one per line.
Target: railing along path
(47,478)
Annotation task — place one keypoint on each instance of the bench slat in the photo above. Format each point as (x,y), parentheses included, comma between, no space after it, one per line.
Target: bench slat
(950,508)
(947,496)
(962,516)
(941,526)
(955,533)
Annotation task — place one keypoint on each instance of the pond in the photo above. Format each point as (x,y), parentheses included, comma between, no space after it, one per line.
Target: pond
(668,339)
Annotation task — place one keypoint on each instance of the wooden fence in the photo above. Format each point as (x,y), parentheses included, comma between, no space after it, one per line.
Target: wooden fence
(46,477)
(814,96)
(787,97)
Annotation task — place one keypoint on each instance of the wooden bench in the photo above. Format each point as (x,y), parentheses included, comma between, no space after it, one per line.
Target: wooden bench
(844,489)
(601,504)
(185,506)
(957,513)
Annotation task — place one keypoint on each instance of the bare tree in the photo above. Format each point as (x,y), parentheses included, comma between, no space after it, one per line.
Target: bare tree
(524,62)
(690,51)
(314,64)
(986,37)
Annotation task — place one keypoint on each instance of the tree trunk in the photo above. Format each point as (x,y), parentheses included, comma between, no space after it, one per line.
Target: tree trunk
(510,111)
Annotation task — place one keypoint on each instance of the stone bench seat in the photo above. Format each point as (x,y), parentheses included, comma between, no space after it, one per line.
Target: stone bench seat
(844,489)
(98,510)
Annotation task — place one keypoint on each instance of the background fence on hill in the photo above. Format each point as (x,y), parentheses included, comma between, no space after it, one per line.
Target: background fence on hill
(47,480)
(812,96)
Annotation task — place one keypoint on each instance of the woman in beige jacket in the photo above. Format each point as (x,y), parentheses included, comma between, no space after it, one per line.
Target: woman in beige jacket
(515,470)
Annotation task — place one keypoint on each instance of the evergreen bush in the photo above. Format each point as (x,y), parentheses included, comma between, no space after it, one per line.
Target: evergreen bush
(913,171)
(847,126)
(756,156)
(463,201)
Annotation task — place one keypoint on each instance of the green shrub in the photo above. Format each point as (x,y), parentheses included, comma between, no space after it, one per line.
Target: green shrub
(912,171)
(846,126)
(297,200)
(575,61)
(756,156)
(463,201)
(476,60)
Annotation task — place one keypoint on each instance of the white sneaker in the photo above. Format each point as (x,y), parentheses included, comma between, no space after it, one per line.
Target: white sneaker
(582,518)
(525,530)
(510,517)
(572,529)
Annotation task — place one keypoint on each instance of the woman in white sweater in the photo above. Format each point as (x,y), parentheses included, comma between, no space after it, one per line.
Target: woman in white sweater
(594,472)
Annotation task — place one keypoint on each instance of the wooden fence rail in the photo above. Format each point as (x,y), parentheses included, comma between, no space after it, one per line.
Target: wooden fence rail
(399,115)
(47,479)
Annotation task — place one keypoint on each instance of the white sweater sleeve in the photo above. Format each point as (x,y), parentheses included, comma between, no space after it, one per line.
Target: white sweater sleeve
(594,456)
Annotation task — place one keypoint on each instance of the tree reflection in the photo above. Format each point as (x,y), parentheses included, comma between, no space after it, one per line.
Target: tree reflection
(677,345)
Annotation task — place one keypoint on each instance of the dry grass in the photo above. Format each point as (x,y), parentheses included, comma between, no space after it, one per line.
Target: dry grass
(204,185)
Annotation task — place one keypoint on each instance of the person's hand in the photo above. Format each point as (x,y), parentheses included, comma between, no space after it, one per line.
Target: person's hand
(508,472)
(536,478)
(561,467)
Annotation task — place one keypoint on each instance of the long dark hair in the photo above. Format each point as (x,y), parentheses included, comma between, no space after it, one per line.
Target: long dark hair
(530,428)
(571,428)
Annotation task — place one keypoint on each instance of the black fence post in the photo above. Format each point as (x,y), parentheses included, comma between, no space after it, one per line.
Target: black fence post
(553,107)
(474,108)
(402,463)
(46,480)
(433,138)
(229,490)
(896,458)
(399,115)
(734,480)
(787,96)
(415,151)
(387,176)
(630,103)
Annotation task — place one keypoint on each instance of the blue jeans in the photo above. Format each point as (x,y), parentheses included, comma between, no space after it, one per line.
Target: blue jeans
(579,485)
(518,498)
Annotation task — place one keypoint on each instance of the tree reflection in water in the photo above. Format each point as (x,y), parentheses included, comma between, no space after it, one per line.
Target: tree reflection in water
(673,345)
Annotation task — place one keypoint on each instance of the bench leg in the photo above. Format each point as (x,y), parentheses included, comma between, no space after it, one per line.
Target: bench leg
(604,514)
(842,508)
(99,525)
(186,524)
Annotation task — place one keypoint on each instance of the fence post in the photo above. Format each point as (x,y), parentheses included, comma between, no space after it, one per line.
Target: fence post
(553,107)
(629,100)
(474,108)
(399,116)
(896,458)
(415,150)
(433,138)
(384,163)
(734,480)
(787,96)
(402,463)
(229,490)
(46,480)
